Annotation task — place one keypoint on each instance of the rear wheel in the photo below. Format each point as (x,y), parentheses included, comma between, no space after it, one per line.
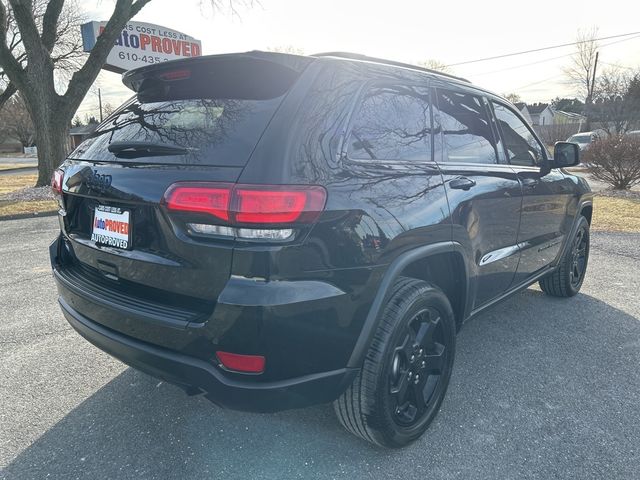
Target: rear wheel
(407,368)
(567,279)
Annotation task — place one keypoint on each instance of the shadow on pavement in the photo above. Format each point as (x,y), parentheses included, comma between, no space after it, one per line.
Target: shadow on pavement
(542,388)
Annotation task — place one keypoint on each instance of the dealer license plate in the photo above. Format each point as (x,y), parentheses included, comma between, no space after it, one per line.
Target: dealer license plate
(112,227)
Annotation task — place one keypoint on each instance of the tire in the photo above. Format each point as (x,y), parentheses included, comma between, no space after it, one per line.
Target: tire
(412,352)
(567,278)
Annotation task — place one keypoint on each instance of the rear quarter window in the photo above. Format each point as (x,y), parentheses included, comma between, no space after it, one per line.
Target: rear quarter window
(392,123)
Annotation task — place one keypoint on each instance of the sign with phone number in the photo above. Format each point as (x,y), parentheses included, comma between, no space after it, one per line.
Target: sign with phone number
(142,44)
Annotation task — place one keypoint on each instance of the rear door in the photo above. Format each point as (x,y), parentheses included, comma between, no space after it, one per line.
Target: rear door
(484,195)
(544,222)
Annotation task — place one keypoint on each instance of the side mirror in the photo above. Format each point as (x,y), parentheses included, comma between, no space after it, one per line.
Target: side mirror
(565,154)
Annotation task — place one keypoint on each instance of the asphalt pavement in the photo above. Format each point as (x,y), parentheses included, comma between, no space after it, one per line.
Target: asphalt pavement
(542,388)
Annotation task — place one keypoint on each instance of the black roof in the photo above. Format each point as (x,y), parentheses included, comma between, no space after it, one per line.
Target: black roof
(537,107)
(365,58)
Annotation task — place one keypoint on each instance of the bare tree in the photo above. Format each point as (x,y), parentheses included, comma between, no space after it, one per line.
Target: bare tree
(107,109)
(614,160)
(67,53)
(580,71)
(16,123)
(557,132)
(291,49)
(50,111)
(616,105)
(513,97)
(433,64)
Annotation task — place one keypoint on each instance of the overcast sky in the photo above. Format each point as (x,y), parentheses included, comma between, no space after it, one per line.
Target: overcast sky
(450,31)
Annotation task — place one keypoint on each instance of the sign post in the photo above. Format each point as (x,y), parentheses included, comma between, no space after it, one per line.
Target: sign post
(142,44)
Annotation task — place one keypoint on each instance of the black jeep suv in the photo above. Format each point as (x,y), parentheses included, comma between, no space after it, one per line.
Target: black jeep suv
(275,231)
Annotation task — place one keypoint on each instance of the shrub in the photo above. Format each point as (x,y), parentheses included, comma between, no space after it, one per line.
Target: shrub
(615,160)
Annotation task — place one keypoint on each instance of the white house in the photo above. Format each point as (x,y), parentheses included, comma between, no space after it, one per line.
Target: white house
(541,114)
(524,111)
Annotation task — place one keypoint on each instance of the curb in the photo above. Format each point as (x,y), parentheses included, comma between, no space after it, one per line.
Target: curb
(11,171)
(20,216)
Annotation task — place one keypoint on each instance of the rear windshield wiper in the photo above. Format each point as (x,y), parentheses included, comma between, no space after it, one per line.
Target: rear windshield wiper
(130,149)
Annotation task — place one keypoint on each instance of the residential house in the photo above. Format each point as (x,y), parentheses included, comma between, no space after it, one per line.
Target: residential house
(79,134)
(561,117)
(524,111)
(541,114)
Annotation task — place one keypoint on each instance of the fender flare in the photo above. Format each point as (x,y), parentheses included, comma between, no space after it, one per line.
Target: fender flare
(382,295)
(588,202)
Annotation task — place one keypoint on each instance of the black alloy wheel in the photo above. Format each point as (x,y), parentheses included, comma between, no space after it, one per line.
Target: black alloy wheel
(417,366)
(407,368)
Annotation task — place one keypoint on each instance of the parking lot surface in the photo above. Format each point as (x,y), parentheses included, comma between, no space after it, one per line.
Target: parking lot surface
(542,388)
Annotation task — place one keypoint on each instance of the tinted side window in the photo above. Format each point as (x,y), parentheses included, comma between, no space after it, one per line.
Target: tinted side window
(522,147)
(466,129)
(392,123)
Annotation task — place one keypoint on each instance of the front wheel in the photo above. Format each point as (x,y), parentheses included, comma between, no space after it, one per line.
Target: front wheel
(407,368)
(567,279)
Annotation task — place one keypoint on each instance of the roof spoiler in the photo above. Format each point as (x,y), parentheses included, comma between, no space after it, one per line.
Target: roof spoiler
(295,64)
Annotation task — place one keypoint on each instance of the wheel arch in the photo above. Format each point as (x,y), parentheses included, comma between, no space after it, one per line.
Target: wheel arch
(586,210)
(443,264)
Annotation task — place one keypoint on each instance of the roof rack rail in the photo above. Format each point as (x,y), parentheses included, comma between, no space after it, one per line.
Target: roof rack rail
(358,56)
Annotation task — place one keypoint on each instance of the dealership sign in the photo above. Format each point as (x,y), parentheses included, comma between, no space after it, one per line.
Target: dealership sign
(142,44)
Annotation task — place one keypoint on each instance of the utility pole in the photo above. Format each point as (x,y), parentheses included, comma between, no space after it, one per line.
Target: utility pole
(100,95)
(593,78)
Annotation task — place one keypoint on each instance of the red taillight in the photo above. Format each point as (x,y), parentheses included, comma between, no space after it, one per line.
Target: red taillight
(265,205)
(56,181)
(241,363)
(249,204)
(200,198)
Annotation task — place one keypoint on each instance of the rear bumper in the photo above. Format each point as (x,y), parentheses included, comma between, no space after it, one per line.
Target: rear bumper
(192,373)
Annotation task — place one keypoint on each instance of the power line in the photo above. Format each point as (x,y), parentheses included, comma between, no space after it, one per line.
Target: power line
(619,66)
(538,49)
(523,87)
(521,65)
(552,58)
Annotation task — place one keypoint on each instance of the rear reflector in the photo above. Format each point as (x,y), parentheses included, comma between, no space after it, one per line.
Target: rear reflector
(276,234)
(249,204)
(56,181)
(241,363)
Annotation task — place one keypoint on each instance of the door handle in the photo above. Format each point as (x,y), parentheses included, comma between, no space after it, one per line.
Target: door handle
(529,182)
(462,183)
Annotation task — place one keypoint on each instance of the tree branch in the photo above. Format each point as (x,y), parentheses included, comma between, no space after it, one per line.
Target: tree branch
(9,64)
(84,77)
(24,18)
(50,23)
(7,94)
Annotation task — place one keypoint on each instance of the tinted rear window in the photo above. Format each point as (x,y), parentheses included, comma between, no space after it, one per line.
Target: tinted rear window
(393,123)
(466,128)
(220,131)
(216,110)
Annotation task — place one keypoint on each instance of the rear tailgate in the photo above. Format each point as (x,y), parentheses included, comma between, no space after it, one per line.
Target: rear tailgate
(196,121)
(158,256)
